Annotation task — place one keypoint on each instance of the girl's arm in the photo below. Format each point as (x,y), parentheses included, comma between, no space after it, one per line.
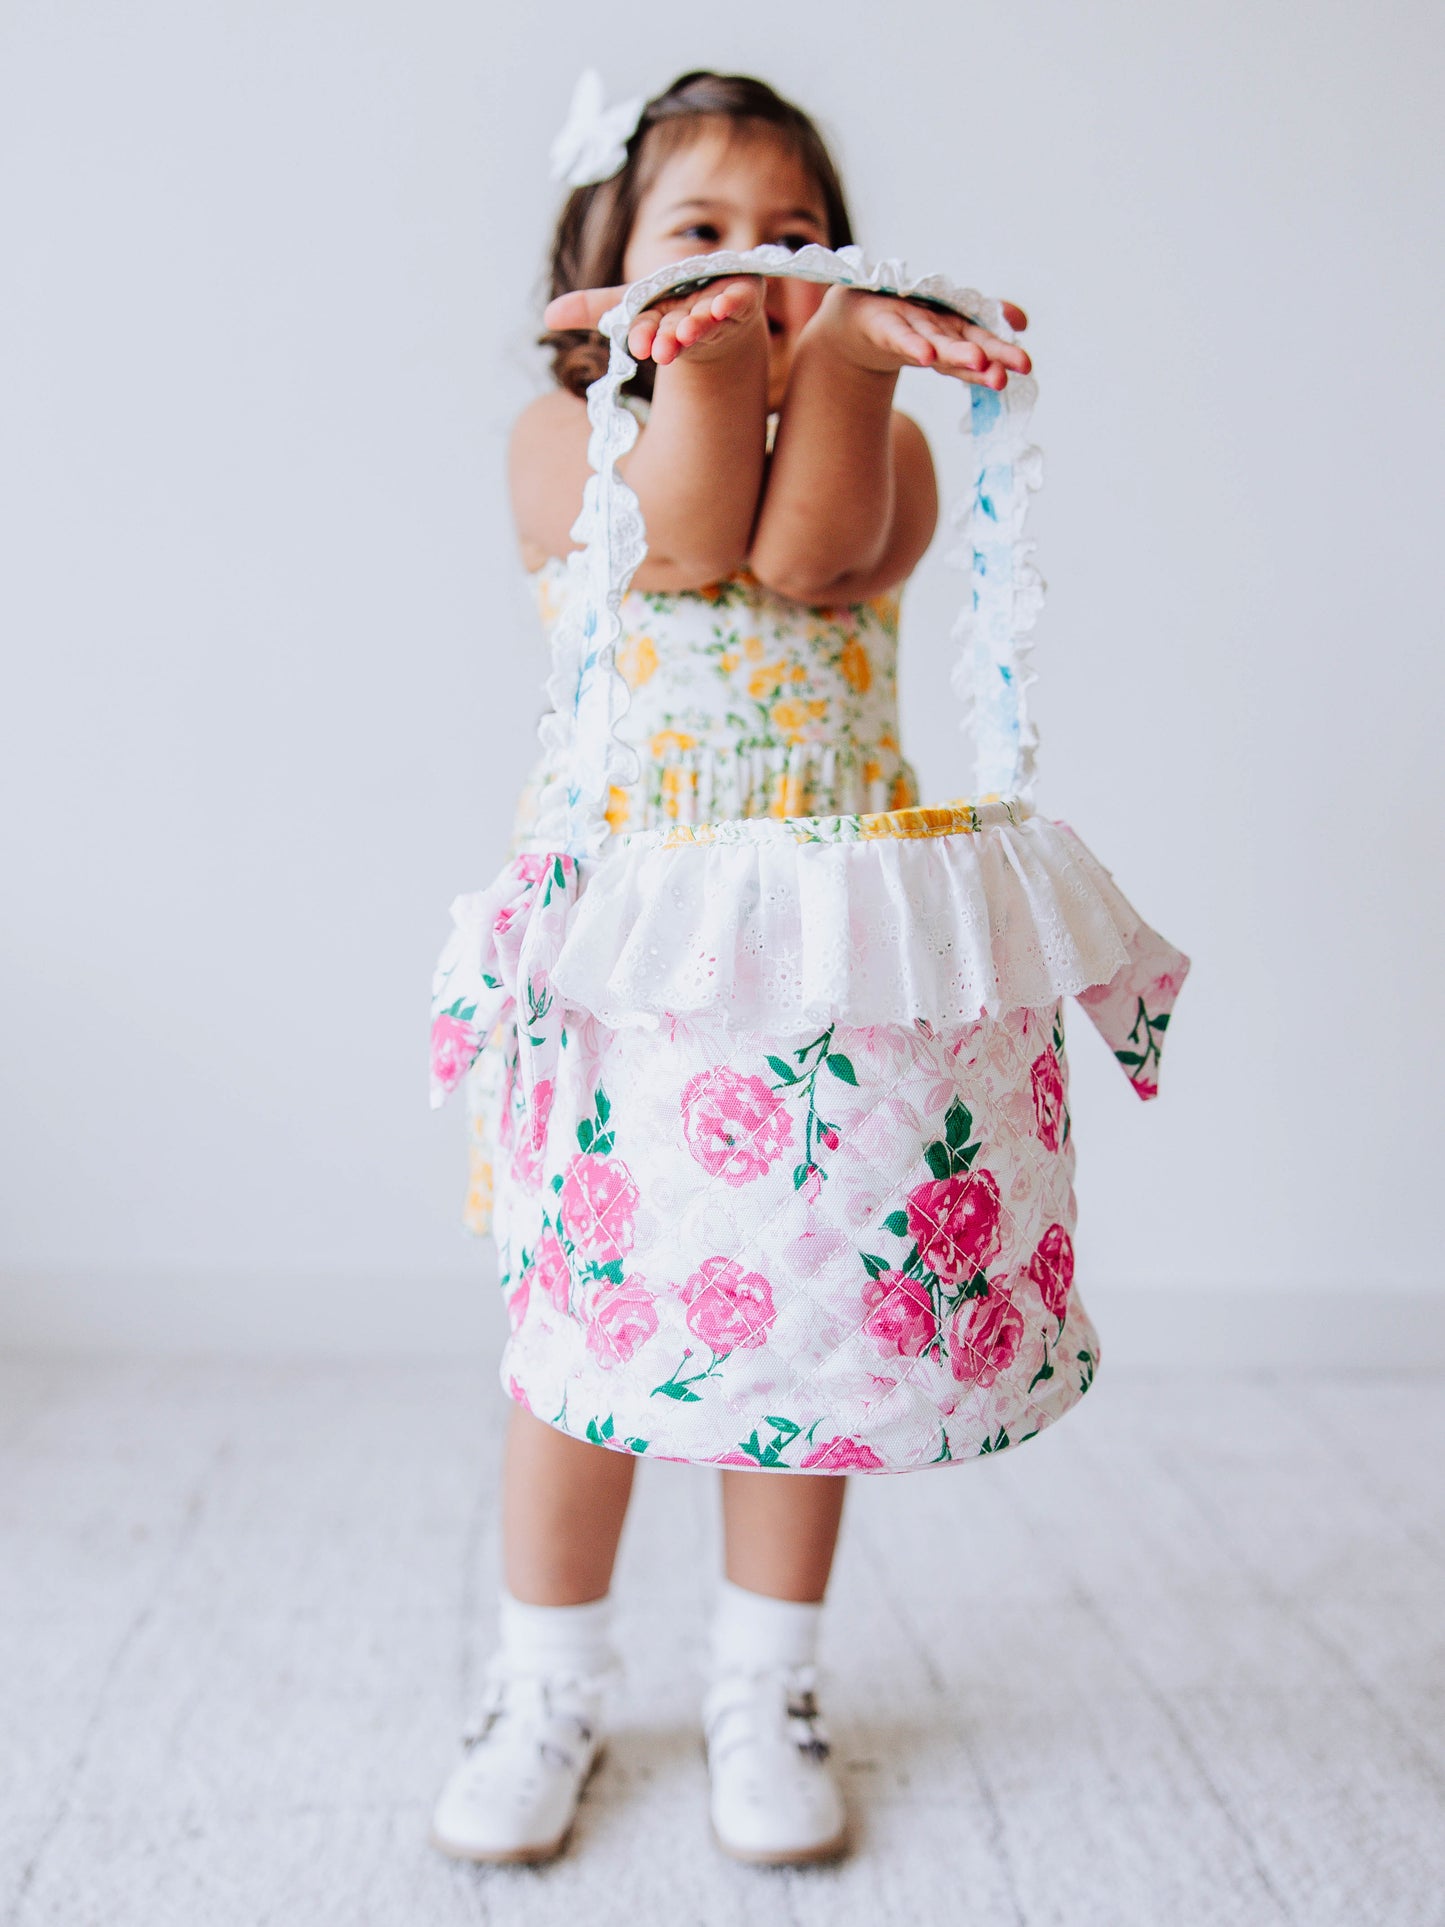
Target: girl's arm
(697,466)
(851,502)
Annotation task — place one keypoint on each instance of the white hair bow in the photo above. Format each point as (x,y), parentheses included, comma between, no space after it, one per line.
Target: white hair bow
(592,146)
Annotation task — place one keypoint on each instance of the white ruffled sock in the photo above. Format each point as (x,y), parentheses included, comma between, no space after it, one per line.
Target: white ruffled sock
(752,1632)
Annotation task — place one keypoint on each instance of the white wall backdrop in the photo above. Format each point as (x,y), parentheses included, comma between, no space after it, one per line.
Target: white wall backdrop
(271,678)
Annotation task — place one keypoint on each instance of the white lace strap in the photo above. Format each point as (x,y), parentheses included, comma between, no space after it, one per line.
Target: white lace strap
(587,693)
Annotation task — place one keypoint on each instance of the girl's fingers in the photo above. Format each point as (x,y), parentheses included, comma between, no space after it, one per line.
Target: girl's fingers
(893,330)
(1007,353)
(1015,317)
(642,335)
(964,350)
(583,308)
(955,348)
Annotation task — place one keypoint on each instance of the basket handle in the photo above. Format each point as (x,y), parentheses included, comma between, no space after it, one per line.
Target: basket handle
(587,693)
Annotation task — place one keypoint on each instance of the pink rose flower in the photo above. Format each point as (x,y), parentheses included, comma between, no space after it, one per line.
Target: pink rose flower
(598,1202)
(736,1127)
(902,1318)
(532,1138)
(532,868)
(551,1270)
(1145,1086)
(1048,1082)
(728,1308)
(842,1455)
(985,1338)
(1052,1268)
(956,1223)
(619,1319)
(454,1044)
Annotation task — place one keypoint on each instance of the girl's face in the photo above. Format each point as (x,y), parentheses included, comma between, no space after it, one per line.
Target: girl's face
(735,186)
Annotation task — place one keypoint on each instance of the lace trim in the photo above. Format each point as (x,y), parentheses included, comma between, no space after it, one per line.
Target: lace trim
(771,933)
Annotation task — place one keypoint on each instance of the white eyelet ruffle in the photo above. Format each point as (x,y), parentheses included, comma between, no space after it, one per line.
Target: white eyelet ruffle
(767,931)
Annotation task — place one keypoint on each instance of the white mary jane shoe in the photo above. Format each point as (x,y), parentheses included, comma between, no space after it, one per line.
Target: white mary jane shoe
(774,1800)
(514,1794)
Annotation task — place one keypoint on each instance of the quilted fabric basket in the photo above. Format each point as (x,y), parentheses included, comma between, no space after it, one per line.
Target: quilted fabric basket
(786,1135)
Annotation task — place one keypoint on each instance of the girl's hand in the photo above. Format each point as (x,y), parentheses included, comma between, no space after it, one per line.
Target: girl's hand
(885,332)
(711,317)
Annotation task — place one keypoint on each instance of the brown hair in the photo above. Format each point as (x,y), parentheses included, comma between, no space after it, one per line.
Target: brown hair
(593,228)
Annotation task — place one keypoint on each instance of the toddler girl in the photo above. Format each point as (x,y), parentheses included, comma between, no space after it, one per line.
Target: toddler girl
(786,502)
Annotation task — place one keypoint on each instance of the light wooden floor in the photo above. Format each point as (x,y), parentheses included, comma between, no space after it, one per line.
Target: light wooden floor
(1180,1662)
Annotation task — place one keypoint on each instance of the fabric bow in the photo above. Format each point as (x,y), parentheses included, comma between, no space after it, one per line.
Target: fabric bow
(592,145)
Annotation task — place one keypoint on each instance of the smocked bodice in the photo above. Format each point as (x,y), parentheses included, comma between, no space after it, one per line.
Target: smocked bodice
(744,703)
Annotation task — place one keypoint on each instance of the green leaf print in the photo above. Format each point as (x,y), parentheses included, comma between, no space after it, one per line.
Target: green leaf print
(680,1387)
(872,1264)
(957,1125)
(897,1223)
(939,1160)
(771,1454)
(1045,1371)
(599,1434)
(782,1070)
(841,1067)
(636,1445)
(998,1443)
(593,1133)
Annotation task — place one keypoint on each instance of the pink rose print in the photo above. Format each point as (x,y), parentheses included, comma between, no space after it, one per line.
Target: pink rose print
(514,1391)
(1048,1083)
(533,867)
(454,1044)
(842,1455)
(736,1127)
(985,1338)
(1145,1086)
(517,1303)
(598,1201)
(532,1138)
(1052,1268)
(727,1307)
(956,1223)
(902,1318)
(620,1318)
(550,1268)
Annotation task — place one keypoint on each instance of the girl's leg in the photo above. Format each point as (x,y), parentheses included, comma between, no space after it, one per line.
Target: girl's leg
(563,1504)
(780,1530)
(773,1795)
(514,1793)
